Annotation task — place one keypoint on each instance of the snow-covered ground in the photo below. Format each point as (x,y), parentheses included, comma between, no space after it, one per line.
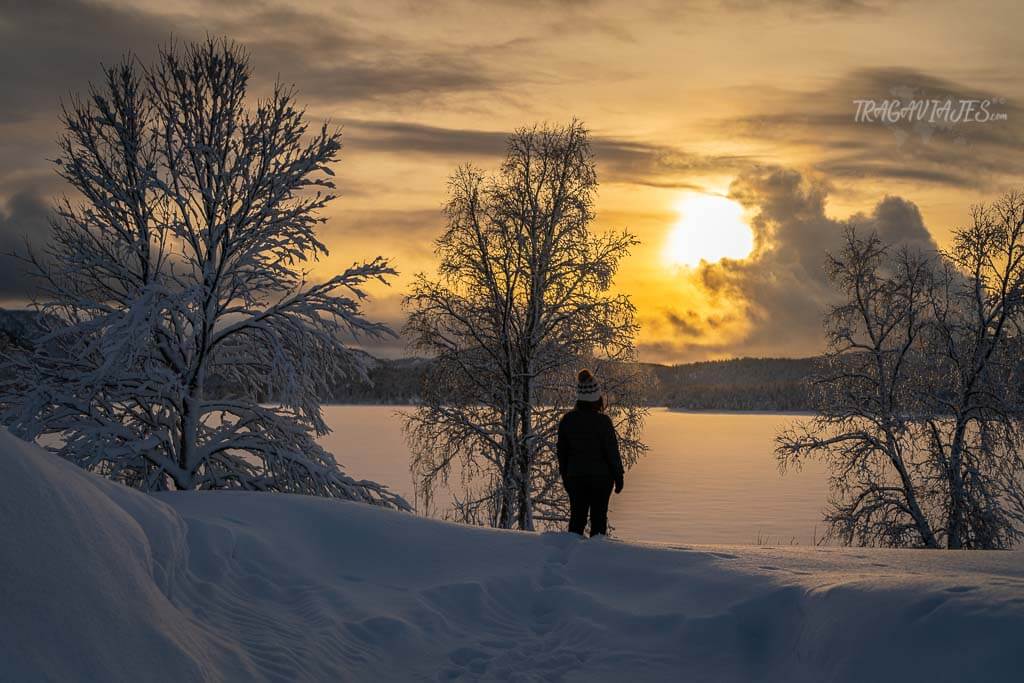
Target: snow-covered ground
(101,583)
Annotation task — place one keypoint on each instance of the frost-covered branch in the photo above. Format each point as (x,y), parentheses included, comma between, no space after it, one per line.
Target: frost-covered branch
(181,275)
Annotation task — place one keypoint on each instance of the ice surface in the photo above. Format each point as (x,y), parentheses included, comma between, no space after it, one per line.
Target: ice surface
(708,477)
(101,583)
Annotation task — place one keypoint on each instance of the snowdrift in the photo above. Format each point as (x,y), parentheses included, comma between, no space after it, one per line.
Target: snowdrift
(101,583)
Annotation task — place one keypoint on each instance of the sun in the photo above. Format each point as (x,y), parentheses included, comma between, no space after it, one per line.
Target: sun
(710,228)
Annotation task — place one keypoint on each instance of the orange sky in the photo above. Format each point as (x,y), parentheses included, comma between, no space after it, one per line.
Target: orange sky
(742,98)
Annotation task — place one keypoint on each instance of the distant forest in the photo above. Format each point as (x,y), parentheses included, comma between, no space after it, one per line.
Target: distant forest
(767,384)
(735,384)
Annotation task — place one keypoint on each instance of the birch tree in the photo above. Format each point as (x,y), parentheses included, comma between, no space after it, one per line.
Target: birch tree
(522,299)
(921,405)
(976,386)
(864,426)
(184,262)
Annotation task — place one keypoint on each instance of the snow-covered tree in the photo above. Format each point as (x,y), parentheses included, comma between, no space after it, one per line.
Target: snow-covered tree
(921,403)
(522,300)
(864,426)
(175,293)
(976,379)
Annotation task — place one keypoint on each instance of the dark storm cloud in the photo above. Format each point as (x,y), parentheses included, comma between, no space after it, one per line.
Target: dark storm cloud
(785,286)
(966,154)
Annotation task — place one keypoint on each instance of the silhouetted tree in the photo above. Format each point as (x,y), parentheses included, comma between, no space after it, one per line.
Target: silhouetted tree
(975,379)
(520,303)
(920,409)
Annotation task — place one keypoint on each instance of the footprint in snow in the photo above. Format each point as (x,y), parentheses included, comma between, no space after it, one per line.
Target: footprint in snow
(551,577)
(721,556)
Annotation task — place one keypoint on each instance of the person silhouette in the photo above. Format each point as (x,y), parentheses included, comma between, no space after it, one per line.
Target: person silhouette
(588,458)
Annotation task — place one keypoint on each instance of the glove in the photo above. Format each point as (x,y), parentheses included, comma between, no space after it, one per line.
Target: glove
(618,484)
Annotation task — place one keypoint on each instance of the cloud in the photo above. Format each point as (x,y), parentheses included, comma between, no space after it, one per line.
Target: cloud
(385,306)
(618,159)
(408,234)
(823,7)
(413,138)
(691,323)
(55,47)
(658,165)
(416,224)
(51,46)
(783,288)
(942,153)
(25,219)
(336,61)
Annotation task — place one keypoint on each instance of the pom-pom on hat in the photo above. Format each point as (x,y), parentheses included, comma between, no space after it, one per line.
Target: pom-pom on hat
(587,388)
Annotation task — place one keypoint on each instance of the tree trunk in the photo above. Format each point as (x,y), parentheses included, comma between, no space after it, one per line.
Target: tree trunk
(503,513)
(955,524)
(526,456)
(920,521)
(187,442)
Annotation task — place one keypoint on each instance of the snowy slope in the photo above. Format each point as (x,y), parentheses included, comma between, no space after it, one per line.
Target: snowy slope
(101,583)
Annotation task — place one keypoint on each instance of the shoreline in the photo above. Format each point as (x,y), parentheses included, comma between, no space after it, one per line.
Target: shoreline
(695,411)
(736,411)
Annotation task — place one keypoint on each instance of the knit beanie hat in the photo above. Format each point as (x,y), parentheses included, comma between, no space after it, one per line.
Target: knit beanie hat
(587,388)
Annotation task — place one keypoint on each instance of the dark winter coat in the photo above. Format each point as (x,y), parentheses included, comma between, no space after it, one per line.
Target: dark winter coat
(588,445)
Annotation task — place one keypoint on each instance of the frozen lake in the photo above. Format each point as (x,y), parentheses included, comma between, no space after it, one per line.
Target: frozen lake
(707,478)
